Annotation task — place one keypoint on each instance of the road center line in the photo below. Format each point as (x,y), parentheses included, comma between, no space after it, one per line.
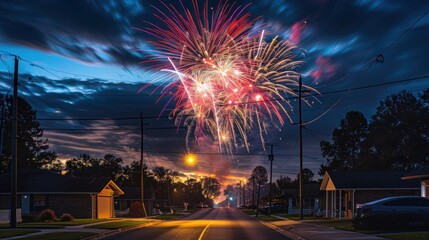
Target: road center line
(204,231)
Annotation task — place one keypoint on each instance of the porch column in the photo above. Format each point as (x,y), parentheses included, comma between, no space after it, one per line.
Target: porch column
(340,205)
(332,204)
(326,203)
(335,203)
(353,203)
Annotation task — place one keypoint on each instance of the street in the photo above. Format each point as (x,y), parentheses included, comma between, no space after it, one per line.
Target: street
(207,224)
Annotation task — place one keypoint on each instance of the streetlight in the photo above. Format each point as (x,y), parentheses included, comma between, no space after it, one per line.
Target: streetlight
(190,160)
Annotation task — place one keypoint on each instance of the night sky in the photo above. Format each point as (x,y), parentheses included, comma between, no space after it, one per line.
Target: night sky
(80,59)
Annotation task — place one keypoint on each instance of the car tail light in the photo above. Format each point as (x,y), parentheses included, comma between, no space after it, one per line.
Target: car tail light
(366,210)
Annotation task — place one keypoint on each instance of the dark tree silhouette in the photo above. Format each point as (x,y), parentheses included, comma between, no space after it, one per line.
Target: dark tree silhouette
(30,142)
(343,153)
(261,178)
(397,137)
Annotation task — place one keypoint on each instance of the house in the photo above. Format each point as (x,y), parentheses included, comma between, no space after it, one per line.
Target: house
(345,190)
(82,197)
(313,198)
(132,194)
(422,174)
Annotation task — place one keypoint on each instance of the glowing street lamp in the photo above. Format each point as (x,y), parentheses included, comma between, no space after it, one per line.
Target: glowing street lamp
(190,160)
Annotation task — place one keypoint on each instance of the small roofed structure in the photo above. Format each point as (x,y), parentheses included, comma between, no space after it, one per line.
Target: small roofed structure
(313,198)
(345,190)
(82,197)
(421,174)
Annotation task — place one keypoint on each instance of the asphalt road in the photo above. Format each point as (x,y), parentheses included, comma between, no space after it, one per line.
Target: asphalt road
(206,224)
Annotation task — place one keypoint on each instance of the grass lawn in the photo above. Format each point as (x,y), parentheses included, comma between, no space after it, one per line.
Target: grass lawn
(15,232)
(295,217)
(267,218)
(61,235)
(406,236)
(117,225)
(248,211)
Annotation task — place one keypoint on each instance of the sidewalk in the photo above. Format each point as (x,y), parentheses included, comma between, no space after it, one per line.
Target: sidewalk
(81,228)
(308,231)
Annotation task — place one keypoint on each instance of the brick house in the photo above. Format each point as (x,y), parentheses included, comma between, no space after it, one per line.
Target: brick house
(345,190)
(82,197)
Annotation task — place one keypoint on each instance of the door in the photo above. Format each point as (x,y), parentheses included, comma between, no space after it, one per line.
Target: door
(105,204)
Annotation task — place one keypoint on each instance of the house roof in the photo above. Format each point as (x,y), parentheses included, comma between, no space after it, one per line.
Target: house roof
(43,181)
(421,173)
(334,180)
(308,190)
(133,193)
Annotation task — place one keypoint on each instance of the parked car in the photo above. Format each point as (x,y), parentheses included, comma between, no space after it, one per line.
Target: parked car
(275,208)
(393,212)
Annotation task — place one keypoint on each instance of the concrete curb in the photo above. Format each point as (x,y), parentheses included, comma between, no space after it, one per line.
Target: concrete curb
(282,231)
(120,230)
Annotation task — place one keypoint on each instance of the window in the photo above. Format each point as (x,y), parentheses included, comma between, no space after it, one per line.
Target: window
(39,201)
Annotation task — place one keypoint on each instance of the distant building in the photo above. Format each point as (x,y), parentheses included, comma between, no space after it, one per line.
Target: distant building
(345,190)
(82,197)
(132,194)
(313,199)
(422,174)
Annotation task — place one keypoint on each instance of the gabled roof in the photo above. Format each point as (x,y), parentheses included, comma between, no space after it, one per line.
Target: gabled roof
(421,173)
(43,181)
(366,180)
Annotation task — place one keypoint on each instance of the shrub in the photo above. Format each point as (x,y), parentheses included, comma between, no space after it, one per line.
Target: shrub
(29,218)
(136,210)
(66,217)
(47,215)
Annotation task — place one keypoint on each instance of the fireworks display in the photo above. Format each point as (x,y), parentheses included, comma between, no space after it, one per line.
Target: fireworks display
(228,78)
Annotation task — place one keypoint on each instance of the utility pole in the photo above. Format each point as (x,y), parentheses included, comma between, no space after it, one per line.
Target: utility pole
(300,149)
(244,193)
(14,160)
(142,167)
(2,125)
(270,195)
(253,190)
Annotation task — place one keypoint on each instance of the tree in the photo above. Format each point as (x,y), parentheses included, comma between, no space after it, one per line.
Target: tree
(229,190)
(399,132)
(211,187)
(397,136)
(49,160)
(284,182)
(87,166)
(195,191)
(162,175)
(347,139)
(260,175)
(307,176)
(131,175)
(30,140)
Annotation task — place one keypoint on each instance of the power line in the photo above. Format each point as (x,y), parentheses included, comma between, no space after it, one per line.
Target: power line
(406,31)
(110,129)
(335,91)
(277,99)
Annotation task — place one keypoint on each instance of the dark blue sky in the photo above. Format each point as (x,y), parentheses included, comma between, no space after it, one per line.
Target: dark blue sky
(82,61)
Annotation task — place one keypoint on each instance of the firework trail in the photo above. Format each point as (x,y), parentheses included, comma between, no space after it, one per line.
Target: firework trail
(227,79)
